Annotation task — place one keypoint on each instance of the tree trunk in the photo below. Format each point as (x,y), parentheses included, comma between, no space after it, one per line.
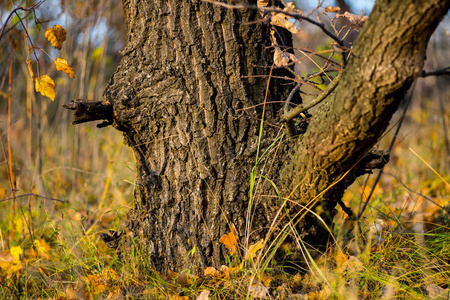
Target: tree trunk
(188,95)
(185,95)
(388,55)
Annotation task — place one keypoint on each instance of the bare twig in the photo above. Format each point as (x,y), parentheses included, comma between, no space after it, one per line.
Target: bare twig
(277,10)
(417,193)
(445,71)
(291,131)
(35,195)
(28,36)
(302,108)
(291,95)
(397,130)
(14,11)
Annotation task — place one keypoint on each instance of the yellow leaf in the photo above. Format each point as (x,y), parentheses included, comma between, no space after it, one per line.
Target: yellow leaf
(18,224)
(78,293)
(10,260)
(46,86)
(43,248)
(282,20)
(6,259)
(62,65)
(31,71)
(16,251)
(253,249)
(230,240)
(56,36)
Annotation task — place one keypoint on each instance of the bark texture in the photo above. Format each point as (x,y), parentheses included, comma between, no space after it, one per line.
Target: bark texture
(183,97)
(179,95)
(387,57)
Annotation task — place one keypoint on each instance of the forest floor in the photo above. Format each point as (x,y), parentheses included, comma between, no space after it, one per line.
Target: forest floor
(52,250)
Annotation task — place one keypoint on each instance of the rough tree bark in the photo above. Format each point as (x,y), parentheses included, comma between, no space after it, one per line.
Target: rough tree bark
(187,95)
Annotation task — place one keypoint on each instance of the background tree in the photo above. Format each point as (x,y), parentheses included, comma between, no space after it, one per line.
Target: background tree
(191,97)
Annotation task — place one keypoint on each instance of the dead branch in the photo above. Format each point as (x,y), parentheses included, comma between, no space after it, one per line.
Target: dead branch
(87,111)
(302,108)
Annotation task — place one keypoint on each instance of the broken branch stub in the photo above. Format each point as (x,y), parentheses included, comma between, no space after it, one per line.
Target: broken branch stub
(87,111)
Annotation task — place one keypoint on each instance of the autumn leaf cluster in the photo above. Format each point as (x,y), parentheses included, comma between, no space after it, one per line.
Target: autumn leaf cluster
(44,84)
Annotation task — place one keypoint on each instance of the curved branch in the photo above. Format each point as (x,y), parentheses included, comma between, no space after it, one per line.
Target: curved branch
(277,10)
(288,116)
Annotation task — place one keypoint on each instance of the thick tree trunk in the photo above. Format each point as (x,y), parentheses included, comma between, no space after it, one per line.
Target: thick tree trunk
(179,95)
(388,55)
(188,98)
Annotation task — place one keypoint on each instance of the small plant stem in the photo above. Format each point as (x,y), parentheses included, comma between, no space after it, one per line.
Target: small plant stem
(11,174)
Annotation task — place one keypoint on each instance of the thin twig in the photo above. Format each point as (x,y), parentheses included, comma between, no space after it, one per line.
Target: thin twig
(260,104)
(416,193)
(35,195)
(346,209)
(277,10)
(291,131)
(291,95)
(14,11)
(397,130)
(302,108)
(28,36)
(445,71)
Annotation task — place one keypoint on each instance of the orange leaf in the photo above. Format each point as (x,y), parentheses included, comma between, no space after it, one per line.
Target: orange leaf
(56,36)
(43,249)
(62,65)
(230,240)
(46,86)
(210,271)
(31,71)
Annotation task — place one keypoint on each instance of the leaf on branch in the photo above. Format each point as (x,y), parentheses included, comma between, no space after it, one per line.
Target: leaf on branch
(289,23)
(282,58)
(62,65)
(230,240)
(56,36)
(31,71)
(356,20)
(46,86)
(332,9)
